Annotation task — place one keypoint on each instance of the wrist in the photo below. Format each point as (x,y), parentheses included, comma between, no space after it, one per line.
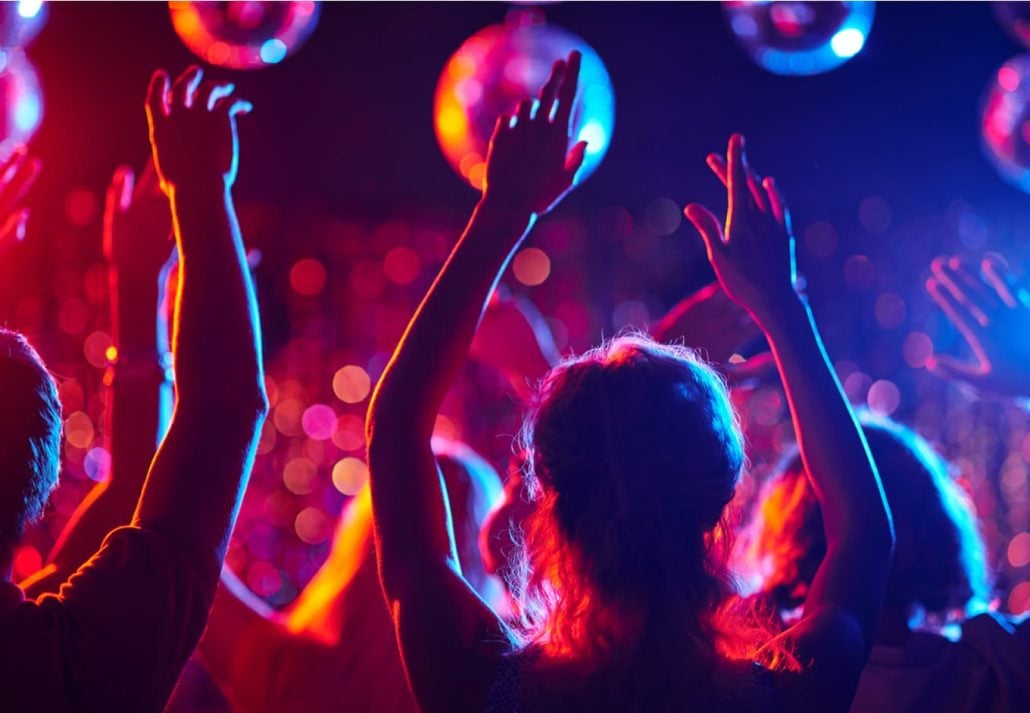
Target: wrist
(782,316)
(500,207)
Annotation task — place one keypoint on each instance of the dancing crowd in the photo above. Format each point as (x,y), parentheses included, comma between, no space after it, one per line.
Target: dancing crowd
(604,572)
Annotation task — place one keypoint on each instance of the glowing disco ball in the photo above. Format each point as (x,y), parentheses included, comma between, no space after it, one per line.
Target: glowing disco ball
(1005,121)
(244,35)
(21,101)
(21,21)
(503,64)
(1015,18)
(799,38)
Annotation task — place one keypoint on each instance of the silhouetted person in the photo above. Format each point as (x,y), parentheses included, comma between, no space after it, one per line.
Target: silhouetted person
(634,452)
(117,634)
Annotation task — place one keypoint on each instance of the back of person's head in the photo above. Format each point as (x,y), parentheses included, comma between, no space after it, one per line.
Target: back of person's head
(633,454)
(939,570)
(30,436)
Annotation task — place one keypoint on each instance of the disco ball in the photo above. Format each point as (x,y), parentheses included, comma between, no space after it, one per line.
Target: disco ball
(244,35)
(1005,121)
(1015,18)
(503,64)
(21,21)
(800,38)
(21,101)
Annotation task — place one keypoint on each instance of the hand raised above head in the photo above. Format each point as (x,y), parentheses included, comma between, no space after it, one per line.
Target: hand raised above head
(17,174)
(193,129)
(753,257)
(529,164)
(137,224)
(990,310)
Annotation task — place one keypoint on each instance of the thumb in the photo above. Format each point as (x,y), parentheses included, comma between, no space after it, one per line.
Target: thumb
(708,226)
(157,96)
(574,159)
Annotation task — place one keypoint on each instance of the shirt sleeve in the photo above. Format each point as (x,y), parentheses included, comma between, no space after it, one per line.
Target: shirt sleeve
(126,622)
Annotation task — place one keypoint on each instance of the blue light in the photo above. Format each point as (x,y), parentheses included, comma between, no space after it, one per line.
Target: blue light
(273,51)
(28,112)
(29,8)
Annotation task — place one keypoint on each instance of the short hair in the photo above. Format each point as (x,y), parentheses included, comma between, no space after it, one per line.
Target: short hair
(30,436)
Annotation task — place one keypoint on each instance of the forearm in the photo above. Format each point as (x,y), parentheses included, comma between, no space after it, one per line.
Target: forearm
(408,496)
(193,491)
(438,337)
(831,443)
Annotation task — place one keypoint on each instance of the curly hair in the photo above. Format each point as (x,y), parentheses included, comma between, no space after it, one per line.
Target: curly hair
(633,453)
(939,570)
(30,421)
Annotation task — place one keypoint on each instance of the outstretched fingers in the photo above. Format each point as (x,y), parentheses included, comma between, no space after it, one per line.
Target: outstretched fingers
(567,93)
(233,106)
(777,203)
(708,226)
(210,92)
(959,312)
(185,86)
(998,275)
(754,182)
(157,96)
(736,175)
(574,159)
(966,289)
(550,91)
(949,368)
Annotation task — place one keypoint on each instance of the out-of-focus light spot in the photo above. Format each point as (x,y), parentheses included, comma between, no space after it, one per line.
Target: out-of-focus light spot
(72,397)
(799,38)
(503,64)
(286,417)
(27,561)
(531,266)
(95,285)
(266,442)
(859,273)
(97,464)
(1019,598)
(95,348)
(78,430)
(29,8)
(875,214)
(630,313)
(312,526)
(1008,78)
(73,316)
(821,239)
(402,265)
(111,353)
(300,476)
(263,579)
(367,279)
(1019,550)
(883,398)
(916,349)
(244,35)
(307,277)
(319,422)
(662,216)
(847,43)
(350,475)
(856,386)
(273,51)
(351,384)
(889,310)
(1003,121)
(350,433)
(21,99)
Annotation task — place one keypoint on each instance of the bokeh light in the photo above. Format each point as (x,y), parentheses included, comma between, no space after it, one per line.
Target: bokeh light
(1005,121)
(244,35)
(21,100)
(20,22)
(503,64)
(1015,18)
(350,475)
(531,266)
(800,38)
(351,384)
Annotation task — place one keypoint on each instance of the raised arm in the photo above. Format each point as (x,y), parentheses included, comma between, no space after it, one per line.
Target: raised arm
(138,251)
(992,312)
(17,174)
(450,640)
(193,491)
(754,262)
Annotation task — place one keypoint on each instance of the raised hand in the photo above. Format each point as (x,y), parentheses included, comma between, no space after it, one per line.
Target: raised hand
(17,174)
(137,225)
(193,129)
(529,165)
(992,313)
(753,258)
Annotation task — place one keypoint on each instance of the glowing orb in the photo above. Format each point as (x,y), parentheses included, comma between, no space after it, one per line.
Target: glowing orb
(1005,121)
(503,64)
(1015,18)
(20,22)
(244,35)
(798,38)
(21,101)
